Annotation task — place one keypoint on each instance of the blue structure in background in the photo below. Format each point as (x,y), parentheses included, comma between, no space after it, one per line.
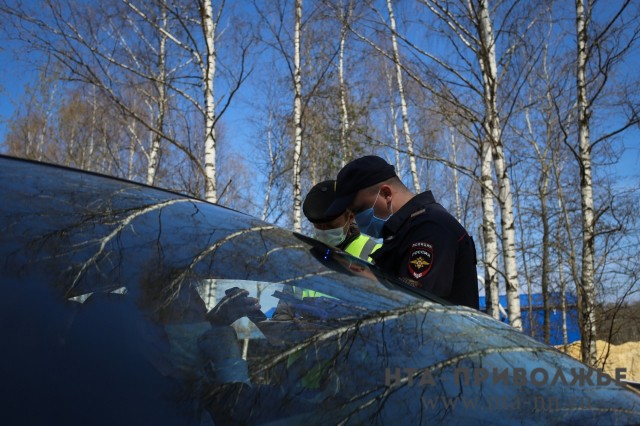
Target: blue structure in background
(555,316)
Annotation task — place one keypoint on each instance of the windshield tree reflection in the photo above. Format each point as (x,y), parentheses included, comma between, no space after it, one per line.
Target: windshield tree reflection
(124,277)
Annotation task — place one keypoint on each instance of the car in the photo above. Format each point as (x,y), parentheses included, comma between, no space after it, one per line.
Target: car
(127,304)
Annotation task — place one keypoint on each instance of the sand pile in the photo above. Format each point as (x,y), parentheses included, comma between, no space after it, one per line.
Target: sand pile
(626,355)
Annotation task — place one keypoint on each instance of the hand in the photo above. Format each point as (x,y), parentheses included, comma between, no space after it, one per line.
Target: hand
(235,304)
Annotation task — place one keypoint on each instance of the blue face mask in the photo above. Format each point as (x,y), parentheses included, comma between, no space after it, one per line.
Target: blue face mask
(368,222)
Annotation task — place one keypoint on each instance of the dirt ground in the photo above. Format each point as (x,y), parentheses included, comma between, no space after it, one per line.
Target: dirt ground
(626,355)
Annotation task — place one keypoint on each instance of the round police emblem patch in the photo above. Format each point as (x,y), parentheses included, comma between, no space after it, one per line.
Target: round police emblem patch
(420,259)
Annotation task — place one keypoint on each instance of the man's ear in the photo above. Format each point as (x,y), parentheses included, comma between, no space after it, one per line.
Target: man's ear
(385,191)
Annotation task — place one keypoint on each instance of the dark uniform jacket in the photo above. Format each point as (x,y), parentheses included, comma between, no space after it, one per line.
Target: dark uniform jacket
(429,249)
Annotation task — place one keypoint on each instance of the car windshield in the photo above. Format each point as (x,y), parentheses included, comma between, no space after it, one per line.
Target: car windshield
(115,282)
(169,259)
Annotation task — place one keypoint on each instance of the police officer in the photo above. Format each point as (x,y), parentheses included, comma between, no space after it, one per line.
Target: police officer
(337,229)
(423,244)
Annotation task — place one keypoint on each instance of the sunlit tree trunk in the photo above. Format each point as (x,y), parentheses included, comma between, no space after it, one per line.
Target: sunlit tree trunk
(209,27)
(272,168)
(344,125)
(524,252)
(154,150)
(543,194)
(587,287)
(133,142)
(489,233)
(88,157)
(50,95)
(487,59)
(454,159)
(403,103)
(563,295)
(297,118)
(544,279)
(393,118)
(571,249)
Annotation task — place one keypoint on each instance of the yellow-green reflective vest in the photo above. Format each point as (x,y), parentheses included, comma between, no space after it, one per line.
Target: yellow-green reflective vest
(310,293)
(362,247)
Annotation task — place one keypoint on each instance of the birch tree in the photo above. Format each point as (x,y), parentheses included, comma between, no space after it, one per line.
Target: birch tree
(543,195)
(589,353)
(271,152)
(73,36)
(403,102)
(441,79)
(297,119)
(489,232)
(608,45)
(112,45)
(393,119)
(471,23)
(208,64)
(487,59)
(162,101)
(345,16)
(306,53)
(28,131)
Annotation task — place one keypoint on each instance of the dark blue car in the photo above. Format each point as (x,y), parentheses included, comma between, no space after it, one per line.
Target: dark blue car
(117,308)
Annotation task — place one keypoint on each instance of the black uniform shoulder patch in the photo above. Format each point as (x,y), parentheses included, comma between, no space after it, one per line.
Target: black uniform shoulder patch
(420,259)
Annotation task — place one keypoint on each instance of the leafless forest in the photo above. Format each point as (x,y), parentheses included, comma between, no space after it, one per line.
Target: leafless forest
(515,113)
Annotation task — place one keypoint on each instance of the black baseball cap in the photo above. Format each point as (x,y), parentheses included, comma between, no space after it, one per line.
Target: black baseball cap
(318,201)
(359,174)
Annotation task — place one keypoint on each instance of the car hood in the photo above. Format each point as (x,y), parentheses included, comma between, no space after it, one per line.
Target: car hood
(106,284)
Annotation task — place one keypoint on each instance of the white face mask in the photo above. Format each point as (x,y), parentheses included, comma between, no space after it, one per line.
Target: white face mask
(333,237)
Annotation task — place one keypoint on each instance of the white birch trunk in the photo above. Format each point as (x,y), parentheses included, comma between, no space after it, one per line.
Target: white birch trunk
(154,151)
(508,240)
(544,280)
(272,161)
(489,234)
(543,189)
(131,127)
(344,128)
(394,120)
(88,160)
(297,118)
(71,149)
(43,134)
(588,326)
(563,301)
(492,126)
(209,28)
(566,222)
(456,190)
(403,104)
(154,155)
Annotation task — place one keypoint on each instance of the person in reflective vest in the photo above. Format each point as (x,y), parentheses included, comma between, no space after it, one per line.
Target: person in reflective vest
(339,229)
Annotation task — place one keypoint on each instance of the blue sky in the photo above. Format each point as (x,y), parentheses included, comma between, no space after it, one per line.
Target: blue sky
(13,78)
(16,74)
